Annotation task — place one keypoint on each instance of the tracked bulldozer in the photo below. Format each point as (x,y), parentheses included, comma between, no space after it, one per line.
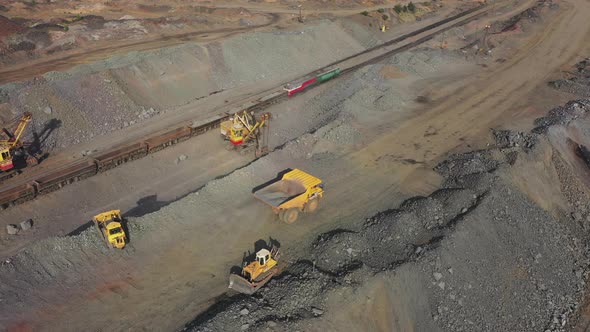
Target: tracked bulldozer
(256,273)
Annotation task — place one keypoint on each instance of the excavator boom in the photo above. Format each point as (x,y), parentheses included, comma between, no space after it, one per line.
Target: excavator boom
(8,147)
(244,130)
(18,132)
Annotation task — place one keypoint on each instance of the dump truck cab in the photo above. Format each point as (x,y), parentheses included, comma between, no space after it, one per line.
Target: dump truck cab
(110,226)
(116,235)
(297,191)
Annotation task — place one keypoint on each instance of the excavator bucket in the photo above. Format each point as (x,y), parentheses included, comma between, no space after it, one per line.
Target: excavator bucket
(242,285)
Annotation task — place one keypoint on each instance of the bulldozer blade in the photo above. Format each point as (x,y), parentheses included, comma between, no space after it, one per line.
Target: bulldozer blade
(240,284)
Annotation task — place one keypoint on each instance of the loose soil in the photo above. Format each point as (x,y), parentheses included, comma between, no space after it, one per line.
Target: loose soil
(483,242)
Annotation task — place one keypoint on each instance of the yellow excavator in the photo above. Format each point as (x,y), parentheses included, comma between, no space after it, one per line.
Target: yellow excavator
(12,146)
(110,227)
(244,132)
(257,273)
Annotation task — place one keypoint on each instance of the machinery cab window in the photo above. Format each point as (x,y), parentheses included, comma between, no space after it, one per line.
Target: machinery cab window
(4,155)
(115,231)
(262,257)
(238,132)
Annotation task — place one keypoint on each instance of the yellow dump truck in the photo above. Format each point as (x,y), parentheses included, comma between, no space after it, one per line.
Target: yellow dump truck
(110,227)
(295,192)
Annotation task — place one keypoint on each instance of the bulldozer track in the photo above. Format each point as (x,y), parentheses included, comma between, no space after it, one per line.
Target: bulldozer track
(31,186)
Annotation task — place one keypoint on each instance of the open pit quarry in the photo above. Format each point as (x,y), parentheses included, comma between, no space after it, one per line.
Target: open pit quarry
(452,140)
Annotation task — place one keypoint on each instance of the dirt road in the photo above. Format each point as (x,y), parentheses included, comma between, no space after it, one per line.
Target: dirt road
(64,61)
(238,97)
(496,96)
(97,51)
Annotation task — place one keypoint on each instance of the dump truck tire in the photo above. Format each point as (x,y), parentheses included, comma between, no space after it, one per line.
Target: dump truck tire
(312,205)
(290,216)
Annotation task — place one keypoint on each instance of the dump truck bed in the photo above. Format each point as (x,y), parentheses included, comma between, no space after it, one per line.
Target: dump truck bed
(293,184)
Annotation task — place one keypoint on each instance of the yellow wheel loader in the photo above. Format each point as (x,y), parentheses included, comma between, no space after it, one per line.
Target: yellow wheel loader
(294,193)
(244,133)
(110,227)
(257,273)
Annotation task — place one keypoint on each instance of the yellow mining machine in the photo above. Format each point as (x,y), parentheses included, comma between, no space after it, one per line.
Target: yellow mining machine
(296,191)
(244,132)
(13,147)
(110,226)
(256,273)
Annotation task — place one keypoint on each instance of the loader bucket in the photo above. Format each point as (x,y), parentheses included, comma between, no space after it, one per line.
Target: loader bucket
(240,284)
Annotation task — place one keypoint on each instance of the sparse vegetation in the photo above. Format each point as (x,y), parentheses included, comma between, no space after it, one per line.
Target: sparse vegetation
(405,8)
(77,18)
(381,10)
(365,13)
(385,17)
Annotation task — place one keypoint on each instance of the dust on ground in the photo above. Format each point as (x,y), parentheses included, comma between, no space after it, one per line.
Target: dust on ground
(395,149)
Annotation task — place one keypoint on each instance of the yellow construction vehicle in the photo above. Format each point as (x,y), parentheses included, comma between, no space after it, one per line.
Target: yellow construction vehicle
(256,273)
(295,192)
(110,227)
(11,147)
(244,132)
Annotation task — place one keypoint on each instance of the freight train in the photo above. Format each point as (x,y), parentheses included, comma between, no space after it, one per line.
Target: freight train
(87,166)
(321,78)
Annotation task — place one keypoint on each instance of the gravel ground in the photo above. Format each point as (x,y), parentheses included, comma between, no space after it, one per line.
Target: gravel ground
(477,236)
(282,54)
(480,246)
(98,98)
(562,115)
(579,81)
(481,251)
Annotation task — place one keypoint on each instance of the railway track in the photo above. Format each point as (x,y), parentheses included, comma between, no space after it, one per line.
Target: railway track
(27,187)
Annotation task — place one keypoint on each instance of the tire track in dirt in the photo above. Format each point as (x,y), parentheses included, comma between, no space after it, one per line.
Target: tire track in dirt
(494,95)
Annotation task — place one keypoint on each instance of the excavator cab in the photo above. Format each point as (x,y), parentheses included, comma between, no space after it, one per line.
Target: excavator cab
(236,134)
(5,159)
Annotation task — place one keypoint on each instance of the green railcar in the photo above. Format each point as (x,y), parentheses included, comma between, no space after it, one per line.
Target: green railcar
(328,75)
